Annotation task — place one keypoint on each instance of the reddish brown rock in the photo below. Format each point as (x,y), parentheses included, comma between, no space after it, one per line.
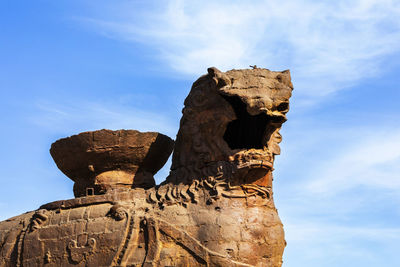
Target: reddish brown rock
(215,208)
(100,160)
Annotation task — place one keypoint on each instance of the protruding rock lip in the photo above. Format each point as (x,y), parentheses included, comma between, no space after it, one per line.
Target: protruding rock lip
(255,164)
(275,104)
(252,159)
(87,155)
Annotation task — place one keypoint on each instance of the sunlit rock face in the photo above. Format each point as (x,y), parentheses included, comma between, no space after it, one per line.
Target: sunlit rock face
(102,160)
(214,209)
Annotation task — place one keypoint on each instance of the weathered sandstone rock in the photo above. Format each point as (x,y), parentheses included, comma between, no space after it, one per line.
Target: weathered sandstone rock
(215,208)
(100,160)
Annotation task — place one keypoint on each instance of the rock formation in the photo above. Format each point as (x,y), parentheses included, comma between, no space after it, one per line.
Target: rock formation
(214,209)
(102,160)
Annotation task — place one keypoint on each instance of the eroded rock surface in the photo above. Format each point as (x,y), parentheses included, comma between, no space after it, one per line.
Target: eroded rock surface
(100,160)
(214,209)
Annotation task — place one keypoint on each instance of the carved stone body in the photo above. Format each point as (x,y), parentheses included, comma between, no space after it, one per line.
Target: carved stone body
(214,209)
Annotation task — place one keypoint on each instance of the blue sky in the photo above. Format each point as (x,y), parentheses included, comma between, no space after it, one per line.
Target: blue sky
(73,66)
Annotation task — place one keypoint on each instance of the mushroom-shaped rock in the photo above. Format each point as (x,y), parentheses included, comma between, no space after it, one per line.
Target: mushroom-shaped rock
(101,160)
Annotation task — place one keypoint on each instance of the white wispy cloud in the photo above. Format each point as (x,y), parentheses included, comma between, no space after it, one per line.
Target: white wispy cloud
(337,190)
(328,45)
(373,161)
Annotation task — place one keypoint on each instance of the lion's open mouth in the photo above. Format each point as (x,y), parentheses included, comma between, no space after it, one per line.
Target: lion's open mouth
(248,137)
(247,131)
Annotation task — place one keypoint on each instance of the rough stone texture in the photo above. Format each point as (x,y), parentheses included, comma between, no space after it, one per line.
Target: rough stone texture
(104,159)
(214,209)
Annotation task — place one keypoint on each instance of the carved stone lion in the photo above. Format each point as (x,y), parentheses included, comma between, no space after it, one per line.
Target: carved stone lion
(214,209)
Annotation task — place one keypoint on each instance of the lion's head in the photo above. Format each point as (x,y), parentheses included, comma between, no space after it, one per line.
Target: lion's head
(230,126)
